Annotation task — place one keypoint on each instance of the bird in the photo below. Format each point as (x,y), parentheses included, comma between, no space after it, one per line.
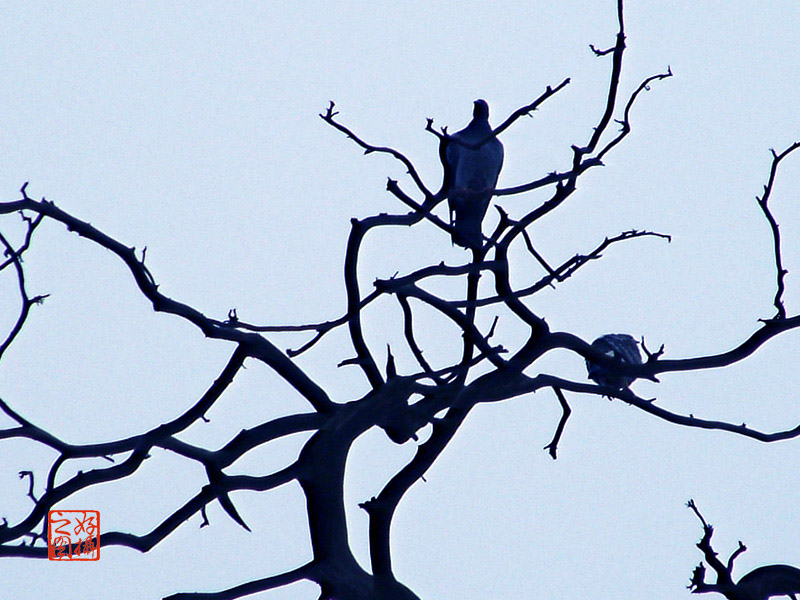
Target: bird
(621,347)
(769,581)
(471,173)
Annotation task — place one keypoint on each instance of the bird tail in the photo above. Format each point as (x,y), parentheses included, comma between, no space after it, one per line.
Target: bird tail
(469,213)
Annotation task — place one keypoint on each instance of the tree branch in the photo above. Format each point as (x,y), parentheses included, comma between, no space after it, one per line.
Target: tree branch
(329,117)
(552,447)
(26,302)
(307,571)
(773,224)
(408,330)
(257,346)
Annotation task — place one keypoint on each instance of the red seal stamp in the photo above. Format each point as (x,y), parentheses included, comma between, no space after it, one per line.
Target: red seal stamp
(73,535)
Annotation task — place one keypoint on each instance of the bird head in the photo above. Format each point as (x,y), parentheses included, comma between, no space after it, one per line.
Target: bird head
(481,110)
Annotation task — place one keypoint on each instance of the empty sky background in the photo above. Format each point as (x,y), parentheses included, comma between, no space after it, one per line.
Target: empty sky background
(192,129)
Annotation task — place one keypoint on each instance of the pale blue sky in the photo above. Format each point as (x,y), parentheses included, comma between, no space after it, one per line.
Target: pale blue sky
(192,129)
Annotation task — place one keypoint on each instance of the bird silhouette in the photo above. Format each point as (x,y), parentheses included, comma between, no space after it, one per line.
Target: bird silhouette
(619,346)
(473,159)
(771,580)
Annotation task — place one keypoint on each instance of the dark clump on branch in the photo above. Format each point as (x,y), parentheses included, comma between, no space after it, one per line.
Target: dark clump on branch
(617,346)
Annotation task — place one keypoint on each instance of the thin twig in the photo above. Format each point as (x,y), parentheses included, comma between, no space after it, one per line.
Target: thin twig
(329,116)
(408,330)
(773,224)
(552,447)
(568,268)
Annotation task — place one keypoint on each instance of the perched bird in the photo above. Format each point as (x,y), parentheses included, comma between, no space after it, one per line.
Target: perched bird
(471,175)
(619,346)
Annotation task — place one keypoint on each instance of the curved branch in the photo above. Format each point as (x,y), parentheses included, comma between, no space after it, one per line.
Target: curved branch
(616,70)
(447,309)
(408,330)
(526,110)
(625,123)
(655,365)
(768,330)
(555,177)
(381,509)
(773,224)
(329,117)
(30,431)
(566,269)
(473,279)
(79,482)
(26,302)
(209,493)
(257,346)
(566,411)
(32,224)
(246,440)
(307,571)
(365,359)
(526,384)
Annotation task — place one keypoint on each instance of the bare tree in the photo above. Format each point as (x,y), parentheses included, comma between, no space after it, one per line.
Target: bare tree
(437,395)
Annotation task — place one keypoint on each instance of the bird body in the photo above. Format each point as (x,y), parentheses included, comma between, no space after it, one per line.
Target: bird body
(767,582)
(619,346)
(473,159)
